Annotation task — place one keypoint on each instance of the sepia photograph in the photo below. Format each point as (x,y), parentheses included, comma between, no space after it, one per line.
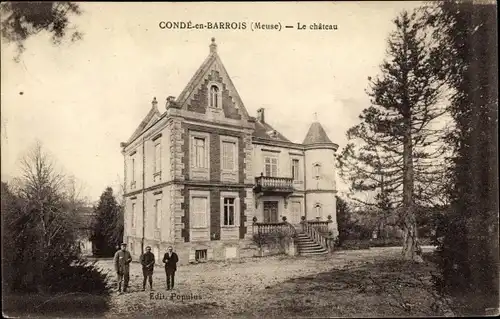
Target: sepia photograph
(314,159)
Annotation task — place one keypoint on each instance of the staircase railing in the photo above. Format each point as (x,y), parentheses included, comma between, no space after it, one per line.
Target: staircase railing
(315,234)
(320,225)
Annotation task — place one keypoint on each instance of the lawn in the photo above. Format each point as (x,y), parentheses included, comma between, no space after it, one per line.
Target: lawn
(352,283)
(75,305)
(361,283)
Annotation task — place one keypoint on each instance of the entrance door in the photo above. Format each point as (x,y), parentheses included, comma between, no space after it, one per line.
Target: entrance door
(295,212)
(270,212)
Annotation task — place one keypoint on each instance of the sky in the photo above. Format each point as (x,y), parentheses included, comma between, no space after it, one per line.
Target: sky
(81,99)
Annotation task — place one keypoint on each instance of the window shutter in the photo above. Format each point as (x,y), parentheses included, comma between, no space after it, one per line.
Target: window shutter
(224,156)
(158,213)
(157,157)
(237,211)
(204,154)
(228,151)
(232,147)
(206,211)
(193,152)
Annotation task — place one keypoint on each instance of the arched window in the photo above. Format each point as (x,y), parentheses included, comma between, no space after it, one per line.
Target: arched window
(317,210)
(214,96)
(317,170)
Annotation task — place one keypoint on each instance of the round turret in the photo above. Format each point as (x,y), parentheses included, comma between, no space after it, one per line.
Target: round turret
(320,183)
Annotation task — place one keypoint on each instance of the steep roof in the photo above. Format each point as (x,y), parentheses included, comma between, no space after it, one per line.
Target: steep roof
(211,63)
(316,135)
(266,131)
(150,118)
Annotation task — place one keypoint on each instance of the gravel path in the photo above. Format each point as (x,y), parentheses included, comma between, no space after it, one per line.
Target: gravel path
(225,288)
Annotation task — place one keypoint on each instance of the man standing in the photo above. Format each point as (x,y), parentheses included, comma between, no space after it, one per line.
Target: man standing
(148,264)
(122,260)
(170,259)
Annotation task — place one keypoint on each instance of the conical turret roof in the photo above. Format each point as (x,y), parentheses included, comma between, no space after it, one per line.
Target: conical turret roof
(316,135)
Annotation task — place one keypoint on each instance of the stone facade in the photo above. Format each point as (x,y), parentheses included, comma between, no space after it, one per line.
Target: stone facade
(192,172)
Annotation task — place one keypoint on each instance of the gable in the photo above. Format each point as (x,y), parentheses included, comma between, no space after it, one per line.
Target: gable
(152,116)
(152,121)
(196,95)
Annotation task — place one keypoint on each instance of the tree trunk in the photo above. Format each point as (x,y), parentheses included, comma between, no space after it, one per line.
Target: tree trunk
(411,247)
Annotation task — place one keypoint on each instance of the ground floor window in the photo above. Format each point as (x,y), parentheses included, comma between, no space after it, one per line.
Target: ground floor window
(200,255)
(229,211)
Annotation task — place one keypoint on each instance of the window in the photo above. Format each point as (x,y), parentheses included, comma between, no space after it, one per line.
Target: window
(199,159)
(157,163)
(200,255)
(228,156)
(132,219)
(200,209)
(317,170)
(295,169)
(229,159)
(214,96)
(229,212)
(132,183)
(317,210)
(199,146)
(158,211)
(271,166)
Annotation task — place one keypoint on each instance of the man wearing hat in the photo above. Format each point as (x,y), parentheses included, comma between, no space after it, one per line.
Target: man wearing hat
(122,260)
(148,264)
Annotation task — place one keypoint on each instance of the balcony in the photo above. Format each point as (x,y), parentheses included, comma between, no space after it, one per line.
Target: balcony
(268,184)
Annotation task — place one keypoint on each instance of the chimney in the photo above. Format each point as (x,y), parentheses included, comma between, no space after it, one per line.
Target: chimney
(213,46)
(260,115)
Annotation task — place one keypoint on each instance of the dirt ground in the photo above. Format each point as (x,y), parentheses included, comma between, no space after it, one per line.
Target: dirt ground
(348,283)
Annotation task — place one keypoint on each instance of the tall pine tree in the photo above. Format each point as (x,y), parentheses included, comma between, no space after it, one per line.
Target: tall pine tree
(107,229)
(395,150)
(468,52)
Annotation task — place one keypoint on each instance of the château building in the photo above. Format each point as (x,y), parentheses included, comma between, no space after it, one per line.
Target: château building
(199,173)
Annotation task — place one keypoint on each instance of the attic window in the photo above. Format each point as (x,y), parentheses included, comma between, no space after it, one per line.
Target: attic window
(273,134)
(215,100)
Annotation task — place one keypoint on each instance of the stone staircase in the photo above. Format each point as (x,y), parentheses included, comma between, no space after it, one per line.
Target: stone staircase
(308,247)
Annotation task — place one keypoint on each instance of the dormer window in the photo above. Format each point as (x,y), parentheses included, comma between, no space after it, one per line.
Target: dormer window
(273,134)
(215,96)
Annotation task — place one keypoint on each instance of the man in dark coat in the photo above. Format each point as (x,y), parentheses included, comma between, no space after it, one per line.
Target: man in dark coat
(148,264)
(170,259)
(122,260)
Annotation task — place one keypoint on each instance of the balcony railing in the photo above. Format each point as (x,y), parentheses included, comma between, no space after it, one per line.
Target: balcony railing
(268,183)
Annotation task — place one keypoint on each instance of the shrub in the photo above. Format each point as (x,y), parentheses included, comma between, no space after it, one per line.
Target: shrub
(81,276)
(386,242)
(355,244)
(277,238)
